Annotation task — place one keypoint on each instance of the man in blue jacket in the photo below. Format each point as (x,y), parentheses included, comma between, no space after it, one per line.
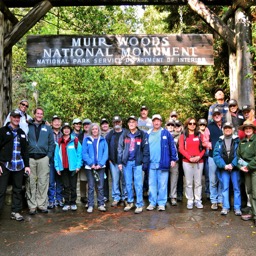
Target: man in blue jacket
(40,147)
(133,154)
(163,155)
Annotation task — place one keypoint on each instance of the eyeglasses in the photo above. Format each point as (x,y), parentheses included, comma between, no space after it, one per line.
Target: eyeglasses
(24,105)
(191,123)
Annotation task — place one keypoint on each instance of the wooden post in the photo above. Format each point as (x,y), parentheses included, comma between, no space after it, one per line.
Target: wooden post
(1,67)
(244,59)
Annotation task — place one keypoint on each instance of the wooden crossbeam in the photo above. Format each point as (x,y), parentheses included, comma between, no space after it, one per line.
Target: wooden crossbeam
(21,28)
(31,3)
(7,13)
(214,22)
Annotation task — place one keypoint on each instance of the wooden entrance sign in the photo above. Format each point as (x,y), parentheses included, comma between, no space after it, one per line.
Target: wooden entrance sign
(119,50)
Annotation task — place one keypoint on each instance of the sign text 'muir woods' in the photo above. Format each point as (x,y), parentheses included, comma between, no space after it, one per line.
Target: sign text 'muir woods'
(119,50)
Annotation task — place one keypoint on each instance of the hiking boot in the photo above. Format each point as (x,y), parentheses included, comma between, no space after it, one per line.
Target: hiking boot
(73,207)
(151,207)
(16,216)
(66,207)
(51,205)
(42,210)
(224,211)
(114,203)
(128,207)
(90,209)
(161,208)
(199,205)
(138,210)
(102,208)
(179,198)
(173,202)
(214,206)
(220,205)
(238,212)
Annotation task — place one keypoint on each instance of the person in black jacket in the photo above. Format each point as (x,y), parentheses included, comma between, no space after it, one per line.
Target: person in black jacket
(14,161)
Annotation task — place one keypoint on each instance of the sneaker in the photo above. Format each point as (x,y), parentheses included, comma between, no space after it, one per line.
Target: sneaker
(66,207)
(173,202)
(51,205)
(214,206)
(224,211)
(128,207)
(106,199)
(73,207)
(246,217)
(138,210)
(32,211)
(102,208)
(189,206)
(161,208)
(238,212)
(151,207)
(114,203)
(199,205)
(16,216)
(90,209)
(59,203)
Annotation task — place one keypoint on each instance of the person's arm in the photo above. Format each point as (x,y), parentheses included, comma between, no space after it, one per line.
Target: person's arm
(217,152)
(182,147)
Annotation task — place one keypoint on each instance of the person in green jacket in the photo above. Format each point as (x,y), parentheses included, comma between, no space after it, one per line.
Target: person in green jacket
(247,163)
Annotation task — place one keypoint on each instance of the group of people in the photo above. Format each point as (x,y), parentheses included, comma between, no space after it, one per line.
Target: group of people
(148,158)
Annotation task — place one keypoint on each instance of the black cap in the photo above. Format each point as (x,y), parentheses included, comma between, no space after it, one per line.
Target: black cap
(143,107)
(232,103)
(216,110)
(132,118)
(104,120)
(15,113)
(66,125)
(55,117)
(246,107)
(227,124)
(116,119)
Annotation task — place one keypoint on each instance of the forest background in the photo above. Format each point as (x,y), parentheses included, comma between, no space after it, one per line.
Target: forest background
(105,91)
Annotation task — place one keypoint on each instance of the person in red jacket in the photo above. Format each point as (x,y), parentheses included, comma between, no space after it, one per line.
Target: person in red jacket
(190,146)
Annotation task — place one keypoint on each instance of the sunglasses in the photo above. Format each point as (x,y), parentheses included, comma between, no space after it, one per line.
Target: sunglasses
(170,124)
(24,105)
(202,125)
(78,123)
(191,123)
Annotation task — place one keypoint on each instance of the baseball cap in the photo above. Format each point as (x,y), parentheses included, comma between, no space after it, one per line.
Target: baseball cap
(246,107)
(132,117)
(76,121)
(156,116)
(104,120)
(232,103)
(216,110)
(202,121)
(219,89)
(173,113)
(66,125)
(55,117)
(227,124)
(143,107)
(15,113)
(116,119)
(87,121)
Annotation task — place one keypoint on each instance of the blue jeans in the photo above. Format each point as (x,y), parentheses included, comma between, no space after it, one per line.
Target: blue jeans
(119,191)
(215,182)
(91,185)
(235,178)
(55,185)
(206,175)
(158,181)
(132,172)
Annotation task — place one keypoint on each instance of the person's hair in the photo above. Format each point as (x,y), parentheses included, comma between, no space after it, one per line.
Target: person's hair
(196,132)
(37,109)
(91,126)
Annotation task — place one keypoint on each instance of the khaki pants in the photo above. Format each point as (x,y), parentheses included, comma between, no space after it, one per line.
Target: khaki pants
(250,184)
(37,183)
